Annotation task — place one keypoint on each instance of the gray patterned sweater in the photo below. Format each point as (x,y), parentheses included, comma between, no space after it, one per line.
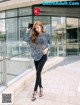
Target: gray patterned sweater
(42,42)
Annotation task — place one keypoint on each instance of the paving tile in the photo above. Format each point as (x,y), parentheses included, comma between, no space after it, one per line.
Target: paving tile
(69,93)
(61,98)
(44,102)
(78,94)
(22,101)
(54,91)
(73,88)
(48,96)
(65,87)
(74,100)
(38,102)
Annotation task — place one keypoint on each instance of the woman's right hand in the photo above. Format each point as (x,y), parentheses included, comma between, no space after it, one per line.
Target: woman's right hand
(27,30)
(45,51)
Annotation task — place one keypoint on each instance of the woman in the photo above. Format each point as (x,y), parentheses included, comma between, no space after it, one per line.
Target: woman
(39,42)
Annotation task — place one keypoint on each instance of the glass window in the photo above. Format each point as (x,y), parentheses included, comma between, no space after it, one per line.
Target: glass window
(11,29)
(4,1)
(58,33)
(79,33)
(2,36)
(2,14)
(23,24)
(72,25)
(2,47)
(2,30)
(72,36)
(25,11)
(12,36)
(11,13)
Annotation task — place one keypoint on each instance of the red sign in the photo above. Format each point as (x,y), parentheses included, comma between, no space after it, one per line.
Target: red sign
(37,11)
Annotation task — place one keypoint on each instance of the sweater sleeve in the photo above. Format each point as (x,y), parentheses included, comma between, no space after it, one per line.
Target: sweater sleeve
(27,37)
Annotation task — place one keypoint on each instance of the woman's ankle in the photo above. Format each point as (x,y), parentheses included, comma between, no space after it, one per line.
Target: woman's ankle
(41,87)
(35,92)
(41,92)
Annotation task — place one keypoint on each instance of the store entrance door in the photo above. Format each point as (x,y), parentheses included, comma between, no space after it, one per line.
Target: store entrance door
(59,35)
(60,43)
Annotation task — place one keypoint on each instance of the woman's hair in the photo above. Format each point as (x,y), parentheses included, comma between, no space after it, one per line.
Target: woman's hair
(35,34)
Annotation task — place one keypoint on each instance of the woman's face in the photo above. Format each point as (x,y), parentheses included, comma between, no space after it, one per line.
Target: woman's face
(38,28)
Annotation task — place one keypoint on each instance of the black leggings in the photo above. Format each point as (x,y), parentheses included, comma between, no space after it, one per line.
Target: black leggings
(39,65)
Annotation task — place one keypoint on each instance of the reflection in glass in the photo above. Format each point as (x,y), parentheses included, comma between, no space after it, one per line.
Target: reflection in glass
(18,51)
(79,34)
(2,39)
(58,32)
(16,66)
(11,36)
(72,36)
(23,24)
(2,14)
(11,13)
(2,30)
(25,11)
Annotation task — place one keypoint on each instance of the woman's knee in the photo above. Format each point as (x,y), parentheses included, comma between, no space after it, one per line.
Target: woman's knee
(38,73)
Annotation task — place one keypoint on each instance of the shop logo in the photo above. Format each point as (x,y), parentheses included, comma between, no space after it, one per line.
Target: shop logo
(37,11)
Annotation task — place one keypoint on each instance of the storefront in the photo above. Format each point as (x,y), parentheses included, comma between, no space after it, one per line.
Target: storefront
(62,25)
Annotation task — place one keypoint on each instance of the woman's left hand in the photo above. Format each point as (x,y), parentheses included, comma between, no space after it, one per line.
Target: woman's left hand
(45,51)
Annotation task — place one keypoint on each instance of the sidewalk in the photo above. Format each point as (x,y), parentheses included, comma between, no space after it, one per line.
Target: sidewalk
(61,85)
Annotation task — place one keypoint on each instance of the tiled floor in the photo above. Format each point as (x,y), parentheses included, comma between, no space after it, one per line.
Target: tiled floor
(61,85)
